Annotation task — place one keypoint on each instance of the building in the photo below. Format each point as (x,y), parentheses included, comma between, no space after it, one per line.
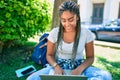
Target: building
(99,11)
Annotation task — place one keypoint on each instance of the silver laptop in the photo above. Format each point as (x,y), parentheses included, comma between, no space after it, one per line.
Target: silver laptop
(62,77)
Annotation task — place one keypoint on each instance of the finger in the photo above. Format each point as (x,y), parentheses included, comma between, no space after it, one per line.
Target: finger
(58,73)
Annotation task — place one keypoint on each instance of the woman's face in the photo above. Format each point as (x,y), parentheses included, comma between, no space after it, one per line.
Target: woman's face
(68,21)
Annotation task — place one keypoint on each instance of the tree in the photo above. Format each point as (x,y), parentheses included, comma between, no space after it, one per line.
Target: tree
(55,17)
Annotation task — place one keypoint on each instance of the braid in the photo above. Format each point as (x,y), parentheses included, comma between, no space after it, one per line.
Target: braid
(73,8)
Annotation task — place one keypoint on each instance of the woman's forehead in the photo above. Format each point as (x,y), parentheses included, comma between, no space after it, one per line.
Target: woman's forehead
(67,14)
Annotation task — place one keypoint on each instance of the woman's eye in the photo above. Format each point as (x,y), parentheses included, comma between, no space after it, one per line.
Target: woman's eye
(71,20)
(62,20)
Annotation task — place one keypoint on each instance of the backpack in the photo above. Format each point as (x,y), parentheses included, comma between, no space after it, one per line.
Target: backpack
(39,54)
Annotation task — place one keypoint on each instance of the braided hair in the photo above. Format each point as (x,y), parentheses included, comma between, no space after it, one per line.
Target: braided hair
(73,8)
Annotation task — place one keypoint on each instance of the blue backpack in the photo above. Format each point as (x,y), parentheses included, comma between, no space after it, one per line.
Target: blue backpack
(39,54)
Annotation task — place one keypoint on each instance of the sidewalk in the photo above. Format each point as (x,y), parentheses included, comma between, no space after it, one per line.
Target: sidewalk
(107,44)
(96,42)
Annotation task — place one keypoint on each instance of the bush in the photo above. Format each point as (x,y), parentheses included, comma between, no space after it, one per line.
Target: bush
(20,20)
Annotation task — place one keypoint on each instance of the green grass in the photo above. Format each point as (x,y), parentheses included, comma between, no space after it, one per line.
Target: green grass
(108,59)
(14,58)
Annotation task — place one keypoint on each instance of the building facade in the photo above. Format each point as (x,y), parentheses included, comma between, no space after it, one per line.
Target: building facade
(99,11)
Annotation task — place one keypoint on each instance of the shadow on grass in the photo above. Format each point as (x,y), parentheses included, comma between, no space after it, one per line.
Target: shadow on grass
(20,49)
(15,58)
(112,67)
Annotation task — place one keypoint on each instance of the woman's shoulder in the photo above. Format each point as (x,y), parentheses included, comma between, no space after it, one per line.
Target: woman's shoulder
(53,34)
(83,29)
(55,29)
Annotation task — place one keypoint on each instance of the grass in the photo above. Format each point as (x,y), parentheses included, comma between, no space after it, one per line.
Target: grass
(16,57)
(108,59)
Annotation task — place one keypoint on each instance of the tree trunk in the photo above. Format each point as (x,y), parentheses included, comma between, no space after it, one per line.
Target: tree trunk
(55,18)
(1,46)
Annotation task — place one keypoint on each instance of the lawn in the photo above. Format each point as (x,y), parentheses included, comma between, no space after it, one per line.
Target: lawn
(18,57)
(108,59)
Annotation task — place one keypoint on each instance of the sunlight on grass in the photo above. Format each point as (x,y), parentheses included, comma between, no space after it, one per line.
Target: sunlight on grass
(108,59)
(108,53)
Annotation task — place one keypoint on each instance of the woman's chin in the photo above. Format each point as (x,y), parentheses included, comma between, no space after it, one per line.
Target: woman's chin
(69,30)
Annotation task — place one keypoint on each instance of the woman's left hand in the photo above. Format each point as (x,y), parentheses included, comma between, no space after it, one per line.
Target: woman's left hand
(75,72)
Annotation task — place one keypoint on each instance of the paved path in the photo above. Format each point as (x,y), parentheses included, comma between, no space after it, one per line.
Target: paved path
(107,44)
(99,43)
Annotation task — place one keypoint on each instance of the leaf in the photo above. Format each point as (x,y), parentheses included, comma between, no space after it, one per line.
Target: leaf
(23,19)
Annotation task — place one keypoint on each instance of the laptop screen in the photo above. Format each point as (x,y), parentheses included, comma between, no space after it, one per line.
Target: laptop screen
(62,77)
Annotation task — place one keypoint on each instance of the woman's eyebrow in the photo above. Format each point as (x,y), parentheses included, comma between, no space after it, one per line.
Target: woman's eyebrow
(71,17)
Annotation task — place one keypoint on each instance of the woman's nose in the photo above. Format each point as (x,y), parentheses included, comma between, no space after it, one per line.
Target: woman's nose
(67,24)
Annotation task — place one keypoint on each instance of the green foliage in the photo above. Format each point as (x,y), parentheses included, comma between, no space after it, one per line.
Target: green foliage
(21,19)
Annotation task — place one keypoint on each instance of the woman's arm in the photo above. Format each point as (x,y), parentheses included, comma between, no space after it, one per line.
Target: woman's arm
(89,49)
(51,58)
(50,52)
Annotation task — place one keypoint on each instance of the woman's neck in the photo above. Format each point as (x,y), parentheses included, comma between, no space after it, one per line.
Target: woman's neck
(69,37)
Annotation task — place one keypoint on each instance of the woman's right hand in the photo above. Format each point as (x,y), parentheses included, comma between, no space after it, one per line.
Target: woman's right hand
(58,70)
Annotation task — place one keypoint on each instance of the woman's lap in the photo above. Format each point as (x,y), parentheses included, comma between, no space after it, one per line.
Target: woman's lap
(35,76)
(92,73)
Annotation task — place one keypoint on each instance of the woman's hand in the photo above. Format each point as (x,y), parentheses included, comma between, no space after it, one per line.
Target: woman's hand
(75,72)
(58,70)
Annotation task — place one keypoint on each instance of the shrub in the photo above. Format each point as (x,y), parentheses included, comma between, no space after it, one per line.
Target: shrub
(20,20)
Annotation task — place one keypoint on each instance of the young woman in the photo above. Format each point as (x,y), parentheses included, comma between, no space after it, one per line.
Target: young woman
(66,44)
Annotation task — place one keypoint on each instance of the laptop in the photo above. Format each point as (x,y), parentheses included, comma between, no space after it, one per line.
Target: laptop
(62,77)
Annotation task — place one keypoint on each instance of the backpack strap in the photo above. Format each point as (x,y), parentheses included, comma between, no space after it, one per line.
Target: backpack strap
(43,40)
(43,45)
